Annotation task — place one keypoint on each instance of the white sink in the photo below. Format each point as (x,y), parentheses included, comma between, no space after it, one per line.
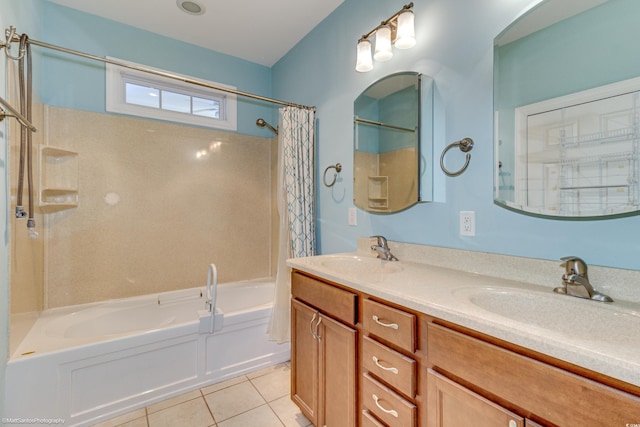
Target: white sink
(575,317)
(358,265)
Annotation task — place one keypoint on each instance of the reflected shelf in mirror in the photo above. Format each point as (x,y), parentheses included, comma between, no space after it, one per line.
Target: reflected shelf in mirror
(389,142)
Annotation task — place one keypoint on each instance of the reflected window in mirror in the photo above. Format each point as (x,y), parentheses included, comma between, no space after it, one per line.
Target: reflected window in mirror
(554,70)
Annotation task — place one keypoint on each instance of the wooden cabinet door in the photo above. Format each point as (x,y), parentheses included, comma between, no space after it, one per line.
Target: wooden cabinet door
(337,374)
(304,360)
(451,405)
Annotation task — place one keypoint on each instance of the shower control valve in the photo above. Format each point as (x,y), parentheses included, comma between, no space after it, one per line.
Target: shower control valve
(20,212)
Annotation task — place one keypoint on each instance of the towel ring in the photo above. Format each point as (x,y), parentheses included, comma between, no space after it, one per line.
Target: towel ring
(466,145)
(338,168)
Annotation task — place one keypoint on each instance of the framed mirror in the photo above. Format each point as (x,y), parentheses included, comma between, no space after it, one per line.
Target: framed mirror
(388,176)
(567,110)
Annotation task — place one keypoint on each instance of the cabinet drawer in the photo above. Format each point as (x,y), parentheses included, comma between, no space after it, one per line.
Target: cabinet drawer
(339,303)
(369,420)
(390,324)
(386,405)
(559,397)
(392,367)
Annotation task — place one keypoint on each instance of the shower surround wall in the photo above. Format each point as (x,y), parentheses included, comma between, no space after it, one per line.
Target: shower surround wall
(158,203)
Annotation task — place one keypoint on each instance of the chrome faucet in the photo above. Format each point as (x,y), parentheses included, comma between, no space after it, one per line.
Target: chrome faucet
(576,283)
(382,249)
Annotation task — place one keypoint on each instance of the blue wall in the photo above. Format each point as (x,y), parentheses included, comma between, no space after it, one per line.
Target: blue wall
(78,83)
(454,46)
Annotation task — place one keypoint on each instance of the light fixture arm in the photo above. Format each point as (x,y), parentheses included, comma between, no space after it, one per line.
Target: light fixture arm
(392,22)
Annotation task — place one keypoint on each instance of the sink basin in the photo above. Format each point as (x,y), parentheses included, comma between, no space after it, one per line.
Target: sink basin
(361,266)
(570,316)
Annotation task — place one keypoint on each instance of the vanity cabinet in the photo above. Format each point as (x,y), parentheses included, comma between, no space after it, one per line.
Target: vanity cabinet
(323,356)
(515,383)
(359,360)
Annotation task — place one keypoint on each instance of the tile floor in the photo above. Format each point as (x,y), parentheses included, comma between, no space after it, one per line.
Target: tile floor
(258,399)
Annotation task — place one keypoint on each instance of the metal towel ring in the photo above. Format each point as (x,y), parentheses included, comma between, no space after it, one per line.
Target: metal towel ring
(466,145)
(338,168)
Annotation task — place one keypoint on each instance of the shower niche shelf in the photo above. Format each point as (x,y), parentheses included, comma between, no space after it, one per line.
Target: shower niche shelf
(378,197)
(58,179)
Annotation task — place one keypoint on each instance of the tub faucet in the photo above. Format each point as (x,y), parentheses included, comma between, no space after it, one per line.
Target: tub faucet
(576,283)
(382,249)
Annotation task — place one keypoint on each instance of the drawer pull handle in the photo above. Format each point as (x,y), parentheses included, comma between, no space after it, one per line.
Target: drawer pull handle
(386,325)
(311,326)
(317,326)
(386,411)
(391,369)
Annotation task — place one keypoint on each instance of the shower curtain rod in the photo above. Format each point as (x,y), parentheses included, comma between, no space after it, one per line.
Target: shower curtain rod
(13,37)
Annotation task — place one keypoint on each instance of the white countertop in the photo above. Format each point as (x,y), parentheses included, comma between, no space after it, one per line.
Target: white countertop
(602,337)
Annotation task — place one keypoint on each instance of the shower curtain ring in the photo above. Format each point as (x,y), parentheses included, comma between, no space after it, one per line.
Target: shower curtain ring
(10,33)
(338,168)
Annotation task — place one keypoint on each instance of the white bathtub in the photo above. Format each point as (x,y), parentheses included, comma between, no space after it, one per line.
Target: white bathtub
(91,362)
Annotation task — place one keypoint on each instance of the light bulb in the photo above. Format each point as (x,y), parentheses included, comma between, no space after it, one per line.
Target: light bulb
(363,59)
(406,37)
(383,44)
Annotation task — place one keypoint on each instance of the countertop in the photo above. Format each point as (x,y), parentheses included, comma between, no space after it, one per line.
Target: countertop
(602,337)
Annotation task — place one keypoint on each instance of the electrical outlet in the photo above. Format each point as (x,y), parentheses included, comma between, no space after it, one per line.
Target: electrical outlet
(353,216)
(467,223)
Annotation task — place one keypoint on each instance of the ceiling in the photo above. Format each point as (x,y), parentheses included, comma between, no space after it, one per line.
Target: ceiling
(256,30)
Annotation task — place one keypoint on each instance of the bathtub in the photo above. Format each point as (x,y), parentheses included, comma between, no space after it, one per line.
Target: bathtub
(84,364)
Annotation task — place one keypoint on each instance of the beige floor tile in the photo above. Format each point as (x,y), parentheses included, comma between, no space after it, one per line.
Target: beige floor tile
(173,401)
(193,413)
(122,419)
(233,400)
(273,385)
(138,422)
(289,413)
(224,384)
(268,370)
(262,416)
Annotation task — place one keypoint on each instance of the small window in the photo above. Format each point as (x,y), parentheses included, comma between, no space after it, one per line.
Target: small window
(147,95)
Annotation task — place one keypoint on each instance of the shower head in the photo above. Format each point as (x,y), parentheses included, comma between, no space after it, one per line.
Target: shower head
(260,122)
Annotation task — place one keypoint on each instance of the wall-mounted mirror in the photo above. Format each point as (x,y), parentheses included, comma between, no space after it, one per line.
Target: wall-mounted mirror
(567,110)
(388,176)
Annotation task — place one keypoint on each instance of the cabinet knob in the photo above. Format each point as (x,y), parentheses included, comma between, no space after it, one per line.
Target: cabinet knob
(513,423)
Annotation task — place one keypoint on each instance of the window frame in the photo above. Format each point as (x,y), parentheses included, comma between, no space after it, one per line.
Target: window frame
(118,76)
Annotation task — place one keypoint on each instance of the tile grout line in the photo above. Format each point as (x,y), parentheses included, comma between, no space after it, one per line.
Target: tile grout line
(215,422)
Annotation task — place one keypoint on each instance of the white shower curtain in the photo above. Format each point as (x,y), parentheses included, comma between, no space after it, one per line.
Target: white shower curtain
(296,206)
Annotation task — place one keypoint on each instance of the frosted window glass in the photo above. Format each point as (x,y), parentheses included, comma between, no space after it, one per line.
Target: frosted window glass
(142,95)
(176,102)
(206,107)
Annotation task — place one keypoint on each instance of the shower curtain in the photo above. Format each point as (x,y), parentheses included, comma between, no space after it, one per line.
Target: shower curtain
(296,207)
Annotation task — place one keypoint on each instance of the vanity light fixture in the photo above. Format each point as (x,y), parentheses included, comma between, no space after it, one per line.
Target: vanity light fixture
(399,30)
(364,62)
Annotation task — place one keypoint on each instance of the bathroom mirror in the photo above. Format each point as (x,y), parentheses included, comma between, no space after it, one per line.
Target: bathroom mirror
(388,176)
(567,110)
